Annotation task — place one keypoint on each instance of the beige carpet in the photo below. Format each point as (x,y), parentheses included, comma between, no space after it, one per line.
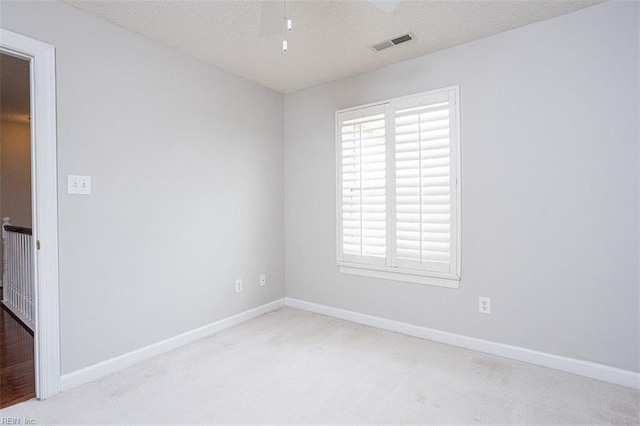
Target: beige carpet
(291,366)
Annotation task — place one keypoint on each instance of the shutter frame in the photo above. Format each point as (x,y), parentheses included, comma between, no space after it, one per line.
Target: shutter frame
(417,121)
(391,267)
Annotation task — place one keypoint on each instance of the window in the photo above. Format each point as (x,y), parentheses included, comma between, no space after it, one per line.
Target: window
(398,189)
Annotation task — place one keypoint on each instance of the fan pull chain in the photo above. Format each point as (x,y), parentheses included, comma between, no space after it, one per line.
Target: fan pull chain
(289,26)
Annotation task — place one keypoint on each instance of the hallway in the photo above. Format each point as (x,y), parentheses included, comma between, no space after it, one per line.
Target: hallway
(17,373)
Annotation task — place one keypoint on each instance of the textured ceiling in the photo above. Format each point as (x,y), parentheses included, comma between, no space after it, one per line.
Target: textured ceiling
(14,88)
(329,40)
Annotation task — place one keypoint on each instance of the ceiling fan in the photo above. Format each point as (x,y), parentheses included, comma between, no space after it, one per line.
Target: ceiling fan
(274,18)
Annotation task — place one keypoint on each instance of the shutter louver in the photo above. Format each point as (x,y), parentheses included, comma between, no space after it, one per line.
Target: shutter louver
(423,186)
(363,187)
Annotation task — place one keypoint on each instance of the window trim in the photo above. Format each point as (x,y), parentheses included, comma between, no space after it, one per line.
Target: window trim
(397,273)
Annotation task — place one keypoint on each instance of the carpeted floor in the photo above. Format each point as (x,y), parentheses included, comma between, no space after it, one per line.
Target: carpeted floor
(291,366)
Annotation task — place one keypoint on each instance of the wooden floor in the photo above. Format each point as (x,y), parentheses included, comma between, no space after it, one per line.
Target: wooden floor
(17,373)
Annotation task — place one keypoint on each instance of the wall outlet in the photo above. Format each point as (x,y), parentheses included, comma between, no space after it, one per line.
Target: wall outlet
(485,305)
(238,286)
(263,280)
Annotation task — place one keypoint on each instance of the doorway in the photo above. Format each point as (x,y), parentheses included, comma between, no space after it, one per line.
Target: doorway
(44,213)
(17,367)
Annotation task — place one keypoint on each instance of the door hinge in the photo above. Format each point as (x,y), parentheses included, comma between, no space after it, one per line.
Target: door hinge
(37,244)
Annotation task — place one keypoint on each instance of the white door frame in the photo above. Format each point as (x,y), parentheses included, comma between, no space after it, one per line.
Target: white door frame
(45,205)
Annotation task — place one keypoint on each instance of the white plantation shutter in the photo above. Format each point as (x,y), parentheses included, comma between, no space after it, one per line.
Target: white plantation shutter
(398,173)
(363,182)
(423,183)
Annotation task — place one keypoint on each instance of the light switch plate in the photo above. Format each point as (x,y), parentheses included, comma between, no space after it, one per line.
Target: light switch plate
(78,185)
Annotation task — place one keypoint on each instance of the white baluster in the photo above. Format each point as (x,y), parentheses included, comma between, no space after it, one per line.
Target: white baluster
(19,274)
(5,265)
(24,252)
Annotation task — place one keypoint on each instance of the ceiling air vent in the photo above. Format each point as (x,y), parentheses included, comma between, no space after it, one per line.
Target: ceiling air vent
(392,42)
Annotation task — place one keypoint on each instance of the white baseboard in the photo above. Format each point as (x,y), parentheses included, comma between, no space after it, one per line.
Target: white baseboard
(571,365)
(97,371)
(583,368)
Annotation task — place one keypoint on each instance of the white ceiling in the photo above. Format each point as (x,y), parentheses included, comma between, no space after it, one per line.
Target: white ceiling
(329,40)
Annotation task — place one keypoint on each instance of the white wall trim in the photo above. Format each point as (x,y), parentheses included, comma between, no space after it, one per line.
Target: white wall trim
(101,369)
(45,205)
(571,365)
(416,277)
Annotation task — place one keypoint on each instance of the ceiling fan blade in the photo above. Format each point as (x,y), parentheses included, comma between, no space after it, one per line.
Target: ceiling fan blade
(387,6)
(272,19)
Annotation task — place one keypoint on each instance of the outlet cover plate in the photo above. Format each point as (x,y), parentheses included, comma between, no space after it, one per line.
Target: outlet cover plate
(484,305)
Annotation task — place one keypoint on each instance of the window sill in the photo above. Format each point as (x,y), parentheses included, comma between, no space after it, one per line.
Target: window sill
(411,276)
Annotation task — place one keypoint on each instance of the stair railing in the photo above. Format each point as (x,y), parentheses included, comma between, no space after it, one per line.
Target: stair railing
(18,292)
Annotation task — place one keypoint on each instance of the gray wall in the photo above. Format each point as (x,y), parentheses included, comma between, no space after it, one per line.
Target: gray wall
(187,167)
(15,172)
(15,143)
(549,191)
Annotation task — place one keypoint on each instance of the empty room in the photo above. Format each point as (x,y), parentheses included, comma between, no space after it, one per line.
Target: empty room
(298,211)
